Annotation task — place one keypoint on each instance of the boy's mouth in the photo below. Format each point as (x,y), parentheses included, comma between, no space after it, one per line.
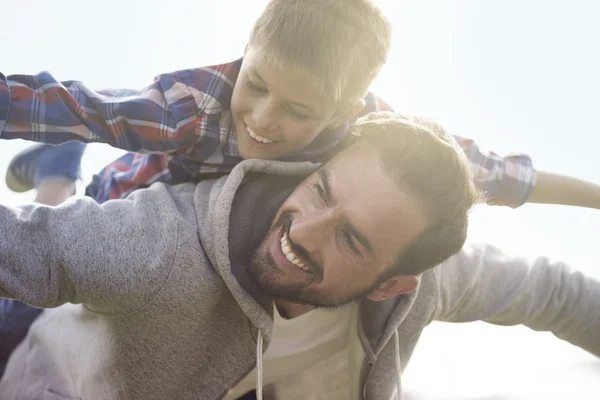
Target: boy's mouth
(258,138)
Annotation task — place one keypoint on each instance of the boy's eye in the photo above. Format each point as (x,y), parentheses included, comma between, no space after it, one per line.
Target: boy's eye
(254,87)
(297,114)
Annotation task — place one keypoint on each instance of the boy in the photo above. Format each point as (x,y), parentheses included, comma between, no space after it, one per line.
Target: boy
(301,80)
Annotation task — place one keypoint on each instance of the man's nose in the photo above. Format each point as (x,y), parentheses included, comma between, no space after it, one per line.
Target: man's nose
(313,230)
(264,115)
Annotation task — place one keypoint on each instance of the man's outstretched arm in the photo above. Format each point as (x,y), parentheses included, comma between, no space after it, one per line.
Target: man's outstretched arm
(107,256)
(482,283)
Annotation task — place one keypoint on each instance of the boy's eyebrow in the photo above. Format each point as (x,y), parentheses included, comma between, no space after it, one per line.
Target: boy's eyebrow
(325,176)
(254,72)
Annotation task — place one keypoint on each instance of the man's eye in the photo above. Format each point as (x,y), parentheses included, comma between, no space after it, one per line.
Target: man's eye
(320,191)
(350,242)
(252,86)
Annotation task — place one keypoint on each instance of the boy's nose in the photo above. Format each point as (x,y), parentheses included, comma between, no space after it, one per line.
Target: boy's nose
(264,116)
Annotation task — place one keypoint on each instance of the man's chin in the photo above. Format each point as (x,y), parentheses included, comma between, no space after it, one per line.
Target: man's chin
(274,281)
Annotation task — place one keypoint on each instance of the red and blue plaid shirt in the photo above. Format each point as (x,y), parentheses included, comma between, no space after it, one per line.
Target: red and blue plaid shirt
(180,129)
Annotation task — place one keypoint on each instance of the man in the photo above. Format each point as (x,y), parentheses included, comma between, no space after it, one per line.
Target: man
(185,309)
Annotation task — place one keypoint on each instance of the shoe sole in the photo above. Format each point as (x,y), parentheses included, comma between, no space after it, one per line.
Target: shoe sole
(11,181)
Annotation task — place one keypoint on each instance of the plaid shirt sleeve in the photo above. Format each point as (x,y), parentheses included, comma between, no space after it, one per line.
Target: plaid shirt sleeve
(159,118)
(505,181)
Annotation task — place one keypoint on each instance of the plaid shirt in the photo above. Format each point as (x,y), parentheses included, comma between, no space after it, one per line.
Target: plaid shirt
(180,129)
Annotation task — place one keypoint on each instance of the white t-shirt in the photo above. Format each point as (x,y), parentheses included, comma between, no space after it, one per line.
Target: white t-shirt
(299,343)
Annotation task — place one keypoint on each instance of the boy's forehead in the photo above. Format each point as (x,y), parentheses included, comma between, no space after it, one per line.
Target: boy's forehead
(285,80)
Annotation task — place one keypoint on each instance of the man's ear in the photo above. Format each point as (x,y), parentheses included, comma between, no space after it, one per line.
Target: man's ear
(350,112)
(395,286)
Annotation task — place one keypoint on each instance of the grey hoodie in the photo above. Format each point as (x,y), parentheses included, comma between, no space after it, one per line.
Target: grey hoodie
(161,307)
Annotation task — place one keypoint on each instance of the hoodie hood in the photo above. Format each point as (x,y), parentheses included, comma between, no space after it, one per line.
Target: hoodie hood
(236,220)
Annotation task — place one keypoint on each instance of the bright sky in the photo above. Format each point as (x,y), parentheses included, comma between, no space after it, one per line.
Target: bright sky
(514,75)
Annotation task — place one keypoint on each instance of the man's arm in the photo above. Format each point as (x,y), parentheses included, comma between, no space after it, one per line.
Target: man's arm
(482,283)
(107,256)
(162,117)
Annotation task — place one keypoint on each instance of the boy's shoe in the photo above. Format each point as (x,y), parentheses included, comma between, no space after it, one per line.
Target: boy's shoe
(42,162)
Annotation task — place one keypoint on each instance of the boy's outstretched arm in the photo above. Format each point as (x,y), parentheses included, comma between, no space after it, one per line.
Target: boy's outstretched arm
(551,188)
(109,257)
(512,181)
(163,117)
(504,181)
(482,283)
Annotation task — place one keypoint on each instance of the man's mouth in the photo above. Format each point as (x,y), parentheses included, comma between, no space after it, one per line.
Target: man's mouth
(258,138)
(286,249)
(289,253)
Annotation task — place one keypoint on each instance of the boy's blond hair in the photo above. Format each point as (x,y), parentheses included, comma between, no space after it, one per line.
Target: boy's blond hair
(340,44)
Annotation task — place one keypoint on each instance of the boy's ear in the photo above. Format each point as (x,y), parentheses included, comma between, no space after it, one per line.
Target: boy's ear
(395,286)
(350,112)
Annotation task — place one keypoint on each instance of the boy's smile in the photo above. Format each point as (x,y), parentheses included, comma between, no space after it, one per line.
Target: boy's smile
(277,112)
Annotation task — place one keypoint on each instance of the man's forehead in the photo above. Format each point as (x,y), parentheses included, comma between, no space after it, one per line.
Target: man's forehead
(387,215)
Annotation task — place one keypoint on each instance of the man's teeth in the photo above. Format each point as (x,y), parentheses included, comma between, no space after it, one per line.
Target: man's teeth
(289,254)
(257,137)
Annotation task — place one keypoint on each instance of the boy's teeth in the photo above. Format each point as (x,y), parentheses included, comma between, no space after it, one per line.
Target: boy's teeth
(257,137)
(289,254)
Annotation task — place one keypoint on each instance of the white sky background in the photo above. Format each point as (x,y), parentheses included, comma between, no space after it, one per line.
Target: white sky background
(513,75)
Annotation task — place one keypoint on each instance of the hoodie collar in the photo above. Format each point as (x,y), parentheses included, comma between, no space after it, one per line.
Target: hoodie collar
(233,223)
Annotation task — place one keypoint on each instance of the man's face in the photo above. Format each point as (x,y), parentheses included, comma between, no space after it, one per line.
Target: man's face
(337,233)
(276,112)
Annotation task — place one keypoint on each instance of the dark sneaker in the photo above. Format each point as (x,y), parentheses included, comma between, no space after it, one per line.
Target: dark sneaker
(43,162)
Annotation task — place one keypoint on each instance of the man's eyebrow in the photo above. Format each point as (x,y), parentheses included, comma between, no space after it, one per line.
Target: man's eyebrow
(256,75)
(325,176)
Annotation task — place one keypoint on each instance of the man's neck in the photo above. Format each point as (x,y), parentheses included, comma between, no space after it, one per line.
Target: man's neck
(290,310)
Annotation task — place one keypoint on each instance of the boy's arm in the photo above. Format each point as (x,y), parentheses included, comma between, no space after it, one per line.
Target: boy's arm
(507,181)
(481,283)
(504,181)
(551,188)
(159,118)
(108,256)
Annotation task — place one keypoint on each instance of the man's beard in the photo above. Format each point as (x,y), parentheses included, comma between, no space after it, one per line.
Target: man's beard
(265,274)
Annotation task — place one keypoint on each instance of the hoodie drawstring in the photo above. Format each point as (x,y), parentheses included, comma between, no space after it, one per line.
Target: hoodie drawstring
(259,356)
(398,367)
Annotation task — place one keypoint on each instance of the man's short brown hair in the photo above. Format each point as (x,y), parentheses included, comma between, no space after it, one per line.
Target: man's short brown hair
(426,162)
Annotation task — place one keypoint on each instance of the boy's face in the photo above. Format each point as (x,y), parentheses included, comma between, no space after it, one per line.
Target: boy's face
(276,112)
(338,233)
